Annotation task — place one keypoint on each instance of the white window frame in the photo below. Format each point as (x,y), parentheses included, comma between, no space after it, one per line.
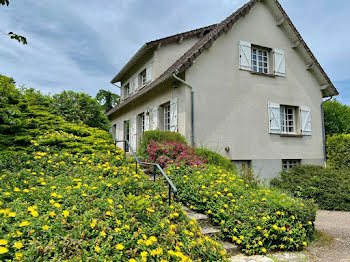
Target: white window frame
(285,125)
(167,117)
(143,77)
(126,90)
(287,164)
(255,58)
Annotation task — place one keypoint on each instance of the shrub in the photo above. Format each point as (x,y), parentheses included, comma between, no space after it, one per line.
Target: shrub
(78,207)
(256,218)
(330,188)
(158,136)
(215,158)
(338,151)
(167,153)
(336,118)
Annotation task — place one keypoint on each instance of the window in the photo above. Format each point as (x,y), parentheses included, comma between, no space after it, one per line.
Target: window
(260,60)
(126,90)
(287,164)
(143,78)
(287,120)
(167,117)
(142,122)
(126,134)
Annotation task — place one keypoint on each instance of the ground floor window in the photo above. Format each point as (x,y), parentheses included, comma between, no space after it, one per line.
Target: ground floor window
(287,164)
(167,117)
(126,134)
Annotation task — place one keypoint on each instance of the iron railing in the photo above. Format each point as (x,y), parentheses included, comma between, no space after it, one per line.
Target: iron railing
(155,167)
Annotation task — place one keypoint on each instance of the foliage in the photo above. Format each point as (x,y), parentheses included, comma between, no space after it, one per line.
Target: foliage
(107,99)
(167,153)
(215,158)
(158,136)
(80,108)
(338,151)
(330,188)
(27,122)
(75,207)
(336,118)
(256,218)
(12,35)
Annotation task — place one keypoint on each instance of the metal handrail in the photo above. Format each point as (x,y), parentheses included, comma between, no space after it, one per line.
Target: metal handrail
(155,165)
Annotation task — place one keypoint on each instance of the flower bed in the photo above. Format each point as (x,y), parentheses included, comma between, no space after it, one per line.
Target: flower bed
(92,208)
(256,218)
(167,153)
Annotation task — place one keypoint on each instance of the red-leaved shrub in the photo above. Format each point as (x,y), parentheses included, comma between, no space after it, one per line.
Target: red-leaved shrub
(167,153)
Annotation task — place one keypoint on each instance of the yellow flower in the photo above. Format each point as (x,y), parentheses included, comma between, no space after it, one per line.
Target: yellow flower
(263,250)
(18,245)
(119,247)
(46,227)
(32,208)
(19,256)
(3,242)
(144,254)
(57,205)
(258,227)
(110,201)
(65,213)
(97,249)
(34,213)
(12,214)
(24,223)
(304,243)
(132,260)
(103,234)
(3,250)
(52,214)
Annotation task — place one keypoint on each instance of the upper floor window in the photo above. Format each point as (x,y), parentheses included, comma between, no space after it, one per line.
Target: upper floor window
(126,90)
(287,120)
(145,76)
(260,60)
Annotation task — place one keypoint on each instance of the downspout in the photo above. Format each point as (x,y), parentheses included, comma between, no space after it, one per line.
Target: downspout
(192,110)
(324,133)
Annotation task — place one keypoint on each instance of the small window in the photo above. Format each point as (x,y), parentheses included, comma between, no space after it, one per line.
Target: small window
(143,78)
(287,164)
(126,90)
(260,60)
(142,122)
(287,120)
(167,117)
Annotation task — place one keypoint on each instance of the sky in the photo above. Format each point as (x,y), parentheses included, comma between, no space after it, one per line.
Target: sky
(81,45)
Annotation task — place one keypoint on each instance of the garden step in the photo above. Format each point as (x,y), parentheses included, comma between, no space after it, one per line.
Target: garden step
(230,248)
(211,231)
(203,220)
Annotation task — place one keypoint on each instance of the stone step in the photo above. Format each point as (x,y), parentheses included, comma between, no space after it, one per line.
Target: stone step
(211,231)
(230,248)
(203,220)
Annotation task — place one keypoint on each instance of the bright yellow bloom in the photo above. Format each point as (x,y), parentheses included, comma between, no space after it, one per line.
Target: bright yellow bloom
(103,234)
(3,242)
(34,213)
(263,250)
(3,250)
(132,260)
(12,214)
(18,245)
(110,201)
(65,213)
(24,223)
(97,249)
(46,227)
(52,214)
(119,247)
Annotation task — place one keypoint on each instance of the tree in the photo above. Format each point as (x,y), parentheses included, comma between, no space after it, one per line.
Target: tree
(336,118)
(80,108)
(107,99)
(12,35)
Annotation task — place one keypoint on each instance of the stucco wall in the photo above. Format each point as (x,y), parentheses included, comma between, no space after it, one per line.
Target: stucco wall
(231,105)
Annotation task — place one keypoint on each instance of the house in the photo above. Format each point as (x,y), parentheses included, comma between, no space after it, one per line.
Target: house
(248,87)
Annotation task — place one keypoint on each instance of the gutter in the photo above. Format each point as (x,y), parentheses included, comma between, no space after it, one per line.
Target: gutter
(324,133)
(192,110)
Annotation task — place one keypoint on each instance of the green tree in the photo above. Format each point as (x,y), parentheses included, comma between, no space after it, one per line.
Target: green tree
(12,35)
(80,108)
(107,99)
(336,118)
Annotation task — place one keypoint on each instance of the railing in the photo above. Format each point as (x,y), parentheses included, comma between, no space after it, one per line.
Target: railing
(155,167)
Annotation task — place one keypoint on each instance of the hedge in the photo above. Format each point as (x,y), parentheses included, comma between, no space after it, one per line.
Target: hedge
(158,136)
(338,151)
(330,188)
(215,158)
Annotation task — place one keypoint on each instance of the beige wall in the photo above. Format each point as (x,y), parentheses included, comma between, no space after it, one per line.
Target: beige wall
(231,105)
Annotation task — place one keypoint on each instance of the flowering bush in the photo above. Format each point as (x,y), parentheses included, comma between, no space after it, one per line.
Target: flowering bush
(79,207)
(256,218)
(167,153)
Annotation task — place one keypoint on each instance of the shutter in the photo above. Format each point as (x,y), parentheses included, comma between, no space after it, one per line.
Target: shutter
(274,118)
(279,62)
(135,83)
(306,128)
(155,117)
(133,133)
(122,92)
(173,115)
(146,121)
(148,73)
(245,55)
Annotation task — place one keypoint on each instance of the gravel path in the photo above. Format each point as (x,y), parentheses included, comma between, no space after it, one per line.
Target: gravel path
(335,224)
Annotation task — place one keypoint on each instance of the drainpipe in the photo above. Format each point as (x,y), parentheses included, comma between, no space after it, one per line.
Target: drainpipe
(192,111)
(324,133)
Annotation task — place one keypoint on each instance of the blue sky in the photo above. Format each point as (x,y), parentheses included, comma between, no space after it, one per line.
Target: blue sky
(80,45)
